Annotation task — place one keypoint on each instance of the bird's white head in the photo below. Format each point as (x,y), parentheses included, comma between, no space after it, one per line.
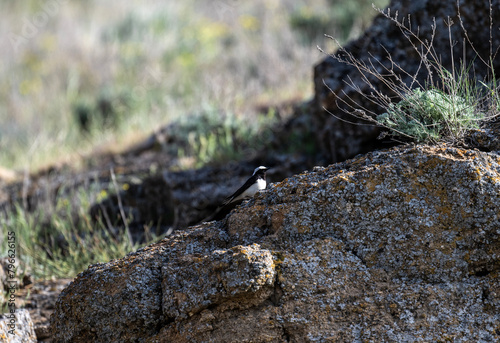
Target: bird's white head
(259,168)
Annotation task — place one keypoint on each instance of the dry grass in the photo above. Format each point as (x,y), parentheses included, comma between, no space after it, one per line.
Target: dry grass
(153,64)
(445,108)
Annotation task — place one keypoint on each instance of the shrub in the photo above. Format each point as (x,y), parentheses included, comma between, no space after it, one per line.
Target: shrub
(444,109)
(429,115)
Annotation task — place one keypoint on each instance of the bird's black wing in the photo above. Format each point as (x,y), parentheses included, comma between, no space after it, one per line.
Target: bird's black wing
(240,190)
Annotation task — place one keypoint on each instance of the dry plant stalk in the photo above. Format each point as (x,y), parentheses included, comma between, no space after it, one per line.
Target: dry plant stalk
(450,90)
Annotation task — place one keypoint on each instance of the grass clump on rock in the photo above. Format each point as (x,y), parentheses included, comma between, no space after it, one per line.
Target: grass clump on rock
(445,107)
(430,115)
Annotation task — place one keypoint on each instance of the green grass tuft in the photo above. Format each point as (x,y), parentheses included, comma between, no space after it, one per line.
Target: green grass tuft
(59,241)
(446,108)
(428,116)
(211,136)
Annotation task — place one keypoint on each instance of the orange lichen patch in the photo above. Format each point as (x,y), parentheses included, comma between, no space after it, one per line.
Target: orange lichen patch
(197,259)
(476,174)
(445,211)
(372,184)
(348,175)
(453,154)
(370,260)
(339,181)
(281,185)
(258,208)
(408,197)
(277,219)
(493,179)
(302,229)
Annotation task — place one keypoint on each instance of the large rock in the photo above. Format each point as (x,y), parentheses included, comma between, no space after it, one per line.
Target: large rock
(398,246)
(17,327)
(339,140)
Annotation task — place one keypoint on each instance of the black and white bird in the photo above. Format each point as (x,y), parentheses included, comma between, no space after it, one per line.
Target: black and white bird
(255,183)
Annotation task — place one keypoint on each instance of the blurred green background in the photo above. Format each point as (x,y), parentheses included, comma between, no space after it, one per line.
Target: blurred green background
(80,76)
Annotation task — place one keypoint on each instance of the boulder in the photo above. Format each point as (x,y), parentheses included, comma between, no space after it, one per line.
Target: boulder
(399,245)
(17,327)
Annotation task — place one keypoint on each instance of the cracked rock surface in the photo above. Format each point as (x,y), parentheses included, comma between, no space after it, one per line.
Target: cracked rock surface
(401,245)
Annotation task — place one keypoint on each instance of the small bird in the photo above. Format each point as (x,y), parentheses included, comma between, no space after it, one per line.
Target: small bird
(255,183)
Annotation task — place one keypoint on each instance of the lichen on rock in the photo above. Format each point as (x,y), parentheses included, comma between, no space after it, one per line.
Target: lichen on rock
(395,245)
(241,274)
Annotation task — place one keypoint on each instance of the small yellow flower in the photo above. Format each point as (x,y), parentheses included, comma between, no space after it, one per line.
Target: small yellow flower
(249,22)
(186,59)
(125,186)
(102,195)
(212,31)
(30,86)
(62,203)
(49,42)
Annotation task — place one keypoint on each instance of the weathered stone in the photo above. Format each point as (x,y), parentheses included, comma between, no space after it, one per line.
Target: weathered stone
(197,282)
(134,305)
(17,327)
(399,245)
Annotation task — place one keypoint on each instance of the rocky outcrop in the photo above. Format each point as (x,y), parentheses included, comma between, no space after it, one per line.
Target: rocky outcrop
(17,327)
(397,246)
(339,140)
(165,201)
